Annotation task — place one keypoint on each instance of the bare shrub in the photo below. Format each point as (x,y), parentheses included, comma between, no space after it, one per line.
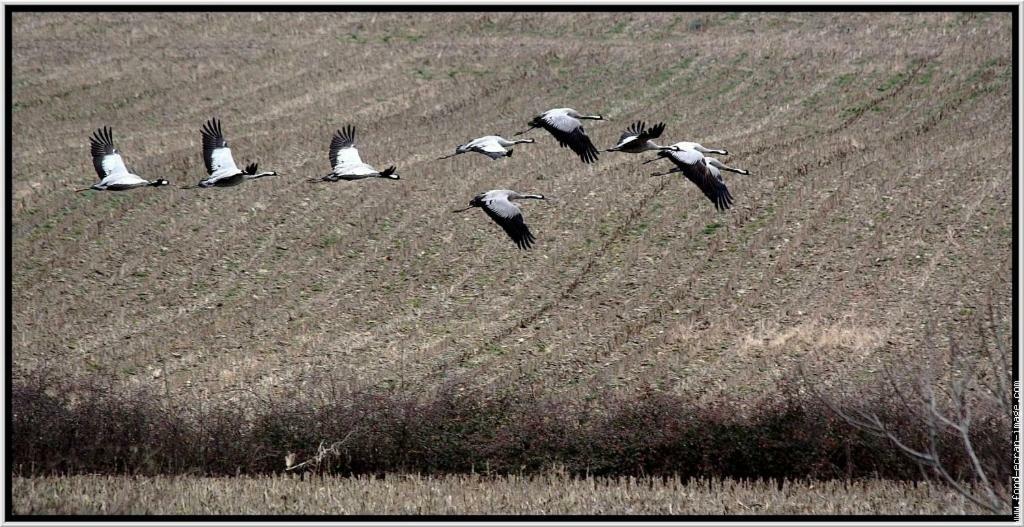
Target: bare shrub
(953,414)
(455,430)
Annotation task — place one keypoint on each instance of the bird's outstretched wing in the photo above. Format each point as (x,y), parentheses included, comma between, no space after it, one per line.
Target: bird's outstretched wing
(510,218)
(638,134)
(569,132)
(216,153)
(105,158)
(653,132)
(631,134)
(343,147)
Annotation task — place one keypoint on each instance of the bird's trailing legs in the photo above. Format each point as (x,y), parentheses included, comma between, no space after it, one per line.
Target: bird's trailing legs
(524,131)
(720,165)
(674,170)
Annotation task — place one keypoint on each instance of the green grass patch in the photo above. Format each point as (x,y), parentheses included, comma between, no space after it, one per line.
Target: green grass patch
(926,77)
(672,70)
(892,82)
(494,349)
(710,228)
(844,79)
(330,239)
(352,37)
(728,86)
(618,28)
(638,228)
(423,73)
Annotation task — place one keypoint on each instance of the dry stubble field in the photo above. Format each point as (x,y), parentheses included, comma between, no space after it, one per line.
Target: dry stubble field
(879,209)
(472,494)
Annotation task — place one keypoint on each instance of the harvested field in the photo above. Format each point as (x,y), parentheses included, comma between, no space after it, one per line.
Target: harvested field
(874,232)
(473,494)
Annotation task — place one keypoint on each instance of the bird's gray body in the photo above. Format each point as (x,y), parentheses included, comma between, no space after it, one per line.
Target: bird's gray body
(564,124)
(492,146)
(692,163)
(500,206)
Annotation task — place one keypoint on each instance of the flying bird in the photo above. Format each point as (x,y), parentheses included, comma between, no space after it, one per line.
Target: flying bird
(110,167)
(638,138)
(346,163)
(564,124)
(221,170)
(501,207)
(693,165)
(492,146)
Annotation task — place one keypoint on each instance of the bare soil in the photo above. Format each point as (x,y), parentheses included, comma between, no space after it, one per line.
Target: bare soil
(879,205)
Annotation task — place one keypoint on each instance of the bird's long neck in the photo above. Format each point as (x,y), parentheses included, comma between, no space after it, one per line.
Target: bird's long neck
(262,174)
(518,141)
(718,151)
(594,117)
(527,196)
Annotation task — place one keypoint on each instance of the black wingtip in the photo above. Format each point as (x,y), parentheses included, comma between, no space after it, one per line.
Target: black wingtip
(526,242)
(656,131)
(724,200)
